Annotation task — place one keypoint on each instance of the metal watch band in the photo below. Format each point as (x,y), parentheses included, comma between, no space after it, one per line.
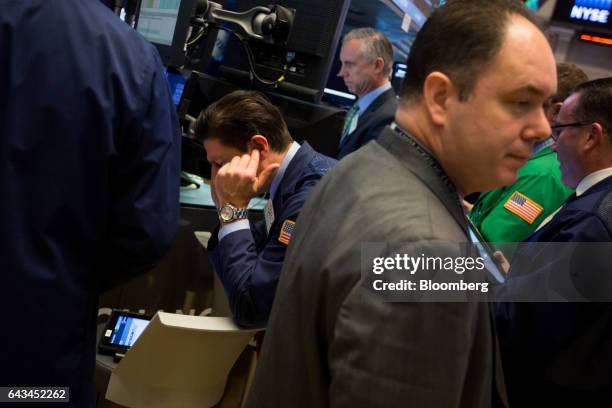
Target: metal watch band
(229,213)
(241,213)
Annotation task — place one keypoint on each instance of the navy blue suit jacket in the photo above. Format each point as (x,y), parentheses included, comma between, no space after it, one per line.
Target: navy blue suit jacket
(559,354)
(89,181)
(249,262)
(379,114)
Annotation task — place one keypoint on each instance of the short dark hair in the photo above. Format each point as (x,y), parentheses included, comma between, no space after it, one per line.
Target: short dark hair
(569,76)
(460,39)
(240,115)
(595,102)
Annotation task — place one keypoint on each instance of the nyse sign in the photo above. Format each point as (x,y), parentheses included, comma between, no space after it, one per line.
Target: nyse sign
(594,13)
(590,14)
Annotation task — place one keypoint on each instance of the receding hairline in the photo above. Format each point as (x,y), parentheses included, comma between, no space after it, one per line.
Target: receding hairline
(524,26)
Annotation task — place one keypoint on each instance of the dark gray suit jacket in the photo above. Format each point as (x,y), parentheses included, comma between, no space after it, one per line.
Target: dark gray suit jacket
(330,343)
(379,114)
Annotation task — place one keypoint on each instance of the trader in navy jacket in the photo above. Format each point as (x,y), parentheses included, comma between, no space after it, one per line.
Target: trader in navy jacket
(251,152)
(89,182)
(367,63)
(559,354)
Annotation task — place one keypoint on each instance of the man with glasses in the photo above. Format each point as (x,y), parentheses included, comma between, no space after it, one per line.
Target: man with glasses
(538,187)
(558,354)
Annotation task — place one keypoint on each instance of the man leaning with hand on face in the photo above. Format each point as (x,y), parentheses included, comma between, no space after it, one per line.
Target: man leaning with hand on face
(251,151)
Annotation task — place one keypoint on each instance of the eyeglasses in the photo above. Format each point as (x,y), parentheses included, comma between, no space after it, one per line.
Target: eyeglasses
(557,129)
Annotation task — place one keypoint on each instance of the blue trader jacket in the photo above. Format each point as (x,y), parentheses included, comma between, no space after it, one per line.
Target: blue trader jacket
(89,181)
(249,262)
(558,354)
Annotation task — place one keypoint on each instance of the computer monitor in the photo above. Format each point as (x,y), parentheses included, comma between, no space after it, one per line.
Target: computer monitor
(176,83)
(319,125)
(308,54)
(400,70)
(165,24)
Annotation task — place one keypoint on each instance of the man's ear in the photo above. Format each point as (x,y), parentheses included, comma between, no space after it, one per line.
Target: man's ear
(595,138)
(438,89)
(379,65)
(260,143)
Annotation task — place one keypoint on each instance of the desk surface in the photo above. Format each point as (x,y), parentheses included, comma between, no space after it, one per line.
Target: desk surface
(201,197)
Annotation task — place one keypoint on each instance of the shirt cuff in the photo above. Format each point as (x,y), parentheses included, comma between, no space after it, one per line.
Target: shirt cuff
(233,227)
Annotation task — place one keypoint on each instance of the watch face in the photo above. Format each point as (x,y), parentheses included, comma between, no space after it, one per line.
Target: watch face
(226,213)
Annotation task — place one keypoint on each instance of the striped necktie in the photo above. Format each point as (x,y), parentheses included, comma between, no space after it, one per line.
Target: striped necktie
(348,122)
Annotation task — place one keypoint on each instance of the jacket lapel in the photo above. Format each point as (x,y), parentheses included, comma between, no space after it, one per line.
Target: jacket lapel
(363,116)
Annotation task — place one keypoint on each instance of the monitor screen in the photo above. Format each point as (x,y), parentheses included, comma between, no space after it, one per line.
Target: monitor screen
(165,24)
(399,73)
(127,330)
(176,82)
(157,20)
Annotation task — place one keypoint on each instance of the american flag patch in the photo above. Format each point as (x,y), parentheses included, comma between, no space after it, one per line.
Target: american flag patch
(523,207)
(286,231)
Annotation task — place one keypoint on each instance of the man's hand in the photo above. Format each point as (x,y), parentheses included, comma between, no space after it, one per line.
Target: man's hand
(501,260)
(237,181)
(467,206)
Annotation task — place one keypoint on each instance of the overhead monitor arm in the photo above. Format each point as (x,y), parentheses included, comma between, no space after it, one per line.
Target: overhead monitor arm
(268,24)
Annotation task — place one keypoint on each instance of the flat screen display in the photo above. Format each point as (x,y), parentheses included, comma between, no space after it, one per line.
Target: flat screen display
(127,330)
(157,20)
(176,82)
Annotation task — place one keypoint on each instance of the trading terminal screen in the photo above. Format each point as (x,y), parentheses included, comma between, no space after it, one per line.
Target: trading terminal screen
(157,20)
(176,82)
(127,330)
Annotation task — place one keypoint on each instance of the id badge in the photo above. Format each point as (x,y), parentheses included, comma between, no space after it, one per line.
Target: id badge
(269,215)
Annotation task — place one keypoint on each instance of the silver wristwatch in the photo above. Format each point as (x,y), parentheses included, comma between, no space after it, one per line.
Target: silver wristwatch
(229,213)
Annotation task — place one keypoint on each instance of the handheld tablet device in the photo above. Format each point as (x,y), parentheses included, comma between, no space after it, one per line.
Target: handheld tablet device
(121,332)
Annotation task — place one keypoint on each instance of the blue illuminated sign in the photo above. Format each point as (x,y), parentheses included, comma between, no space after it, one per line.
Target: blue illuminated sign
(588,13)
(596,11)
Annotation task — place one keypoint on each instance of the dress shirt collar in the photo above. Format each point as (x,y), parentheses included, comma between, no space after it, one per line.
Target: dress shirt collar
(295,146)
(366,100)
(592,179)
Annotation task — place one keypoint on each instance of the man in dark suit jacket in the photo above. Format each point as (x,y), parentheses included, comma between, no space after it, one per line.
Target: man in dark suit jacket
(333,340)
(367,61)
(251,152)
(559,354)
(89,180)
